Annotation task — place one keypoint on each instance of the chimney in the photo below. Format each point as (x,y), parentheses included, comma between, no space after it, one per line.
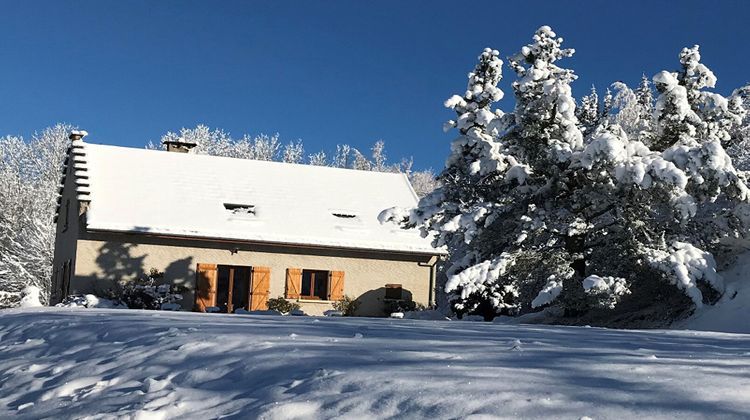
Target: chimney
(77,135)
(178,146)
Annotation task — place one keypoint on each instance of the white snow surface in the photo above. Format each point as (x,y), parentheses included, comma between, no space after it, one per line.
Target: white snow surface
(30,297)
(183,194)
(732,312)
(101,363)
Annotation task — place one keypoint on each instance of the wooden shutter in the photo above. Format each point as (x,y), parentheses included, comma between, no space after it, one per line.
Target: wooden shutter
(259,289)
(336,286)
(205,288)
(293,283)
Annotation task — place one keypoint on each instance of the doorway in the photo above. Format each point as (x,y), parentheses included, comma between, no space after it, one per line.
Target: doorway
(233,287)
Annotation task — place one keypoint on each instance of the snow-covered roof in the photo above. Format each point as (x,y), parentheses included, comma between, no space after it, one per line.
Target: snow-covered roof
(157,192)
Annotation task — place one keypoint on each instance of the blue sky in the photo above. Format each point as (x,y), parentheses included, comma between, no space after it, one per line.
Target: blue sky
(325,72)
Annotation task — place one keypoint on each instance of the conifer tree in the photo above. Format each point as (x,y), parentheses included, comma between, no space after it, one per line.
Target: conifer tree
(588,113)
(457,209)
(533,216)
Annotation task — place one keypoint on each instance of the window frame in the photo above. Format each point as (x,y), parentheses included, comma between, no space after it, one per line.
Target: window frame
(313,280)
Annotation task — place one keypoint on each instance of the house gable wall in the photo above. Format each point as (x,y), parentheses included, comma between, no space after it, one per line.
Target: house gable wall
(66,238)
(104,258)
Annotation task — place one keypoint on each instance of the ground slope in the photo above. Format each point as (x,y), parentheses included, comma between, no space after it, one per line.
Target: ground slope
(66,363)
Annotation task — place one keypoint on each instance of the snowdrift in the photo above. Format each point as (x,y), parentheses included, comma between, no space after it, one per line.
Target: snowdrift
(732,312)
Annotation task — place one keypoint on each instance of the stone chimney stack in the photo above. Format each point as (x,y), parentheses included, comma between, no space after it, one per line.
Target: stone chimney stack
(178,146)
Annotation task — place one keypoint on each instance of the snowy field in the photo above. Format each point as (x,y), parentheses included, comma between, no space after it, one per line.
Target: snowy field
(66,363)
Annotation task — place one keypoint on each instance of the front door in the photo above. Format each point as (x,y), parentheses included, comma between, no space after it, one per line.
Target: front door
(227,288)
(232,288)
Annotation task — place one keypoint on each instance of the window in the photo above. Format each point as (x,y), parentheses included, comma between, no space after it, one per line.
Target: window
(394,291)
(314,284)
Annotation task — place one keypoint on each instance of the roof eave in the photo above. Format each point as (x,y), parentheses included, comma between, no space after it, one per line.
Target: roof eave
(433,252)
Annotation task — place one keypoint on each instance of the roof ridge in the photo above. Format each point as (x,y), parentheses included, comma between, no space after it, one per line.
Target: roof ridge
(259,161)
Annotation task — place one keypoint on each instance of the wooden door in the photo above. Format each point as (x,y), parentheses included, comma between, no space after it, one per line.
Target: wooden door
(260,289)
(205,288)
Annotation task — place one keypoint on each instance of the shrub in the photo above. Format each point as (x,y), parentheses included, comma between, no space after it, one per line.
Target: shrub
(144,293)
(9,299)
(282,305)
(401,305)
(346,305)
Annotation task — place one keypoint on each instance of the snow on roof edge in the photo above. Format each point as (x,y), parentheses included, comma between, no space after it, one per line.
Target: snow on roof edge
(166,233)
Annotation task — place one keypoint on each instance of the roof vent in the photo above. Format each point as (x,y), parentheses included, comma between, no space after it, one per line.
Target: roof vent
(178,145)
(240,209)
(344,215)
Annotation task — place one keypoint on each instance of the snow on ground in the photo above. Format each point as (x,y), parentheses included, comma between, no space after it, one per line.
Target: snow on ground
(732,312)
(71,362)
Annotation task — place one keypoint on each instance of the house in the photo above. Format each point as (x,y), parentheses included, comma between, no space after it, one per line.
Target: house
(234,232)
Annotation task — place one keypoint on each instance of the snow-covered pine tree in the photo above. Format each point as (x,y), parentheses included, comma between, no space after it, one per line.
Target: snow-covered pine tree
(588,113)
(533,205)
(645,97)
(457,209)
(626,110)
(740,149)
(691,125)
(608,104)
(540,218)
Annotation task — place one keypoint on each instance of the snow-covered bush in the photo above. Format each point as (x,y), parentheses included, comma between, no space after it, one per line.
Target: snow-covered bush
(605,291)
(145,293)
(30,297)
(347,305)
(282,305)
(89,301)
(9,299)
(401,305)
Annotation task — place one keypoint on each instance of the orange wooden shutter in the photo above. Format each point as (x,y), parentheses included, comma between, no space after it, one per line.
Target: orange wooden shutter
(205,290)
(293,283)
(336,286)
(260,285)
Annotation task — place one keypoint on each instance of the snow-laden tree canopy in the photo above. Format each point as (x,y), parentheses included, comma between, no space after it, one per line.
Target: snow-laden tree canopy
(540,208)
(30,173)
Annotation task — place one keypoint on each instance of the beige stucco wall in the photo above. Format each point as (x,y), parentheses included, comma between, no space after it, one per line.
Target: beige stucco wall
(103,258)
